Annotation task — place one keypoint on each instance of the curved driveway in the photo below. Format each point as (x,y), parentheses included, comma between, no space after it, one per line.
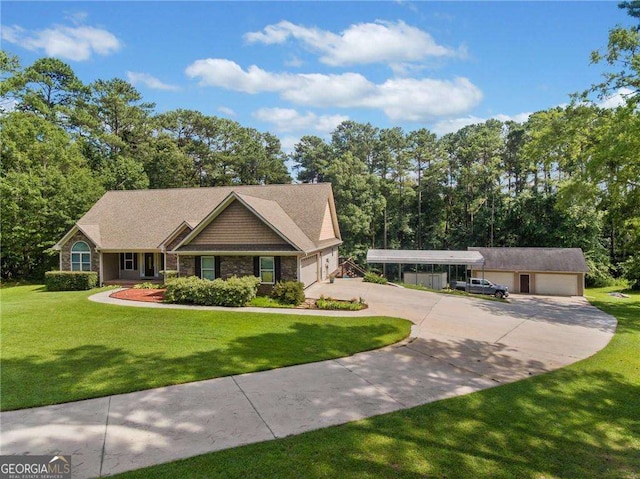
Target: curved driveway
(458,345)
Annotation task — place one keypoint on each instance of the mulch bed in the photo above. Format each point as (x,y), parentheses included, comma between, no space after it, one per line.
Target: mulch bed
(157,296)
(145,295)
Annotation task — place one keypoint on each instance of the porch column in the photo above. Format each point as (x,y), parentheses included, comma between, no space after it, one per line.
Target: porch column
(101,275)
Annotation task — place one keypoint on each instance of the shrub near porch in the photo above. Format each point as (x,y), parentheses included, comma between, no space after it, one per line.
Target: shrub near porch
(233,292)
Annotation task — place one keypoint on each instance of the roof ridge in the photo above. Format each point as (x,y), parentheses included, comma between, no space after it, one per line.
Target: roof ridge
(232,187)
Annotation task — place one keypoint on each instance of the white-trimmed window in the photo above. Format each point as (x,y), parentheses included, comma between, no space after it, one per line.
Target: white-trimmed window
(208,267)
(267,269)
(129,262)
(80,257)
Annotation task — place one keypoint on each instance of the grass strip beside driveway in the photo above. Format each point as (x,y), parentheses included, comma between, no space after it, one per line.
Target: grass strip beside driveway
(579,422)
(59,347)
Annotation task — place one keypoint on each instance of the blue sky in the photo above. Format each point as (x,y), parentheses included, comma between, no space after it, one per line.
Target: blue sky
(296,68)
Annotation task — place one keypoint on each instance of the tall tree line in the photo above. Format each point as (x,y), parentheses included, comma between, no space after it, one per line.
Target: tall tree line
(568,176)
(64,143)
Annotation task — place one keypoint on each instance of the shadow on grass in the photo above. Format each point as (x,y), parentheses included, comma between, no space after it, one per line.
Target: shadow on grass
(97,370)
(569,424)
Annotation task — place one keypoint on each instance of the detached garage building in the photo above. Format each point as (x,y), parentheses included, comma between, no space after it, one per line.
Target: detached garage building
(552,271)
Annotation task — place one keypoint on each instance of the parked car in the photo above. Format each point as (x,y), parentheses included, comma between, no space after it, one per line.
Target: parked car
(481,286)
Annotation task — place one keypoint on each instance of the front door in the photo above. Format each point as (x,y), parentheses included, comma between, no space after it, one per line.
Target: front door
(149,270)
(524,283)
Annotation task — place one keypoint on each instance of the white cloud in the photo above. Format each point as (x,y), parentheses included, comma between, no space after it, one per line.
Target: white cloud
(518,118)
(7,105)
(136,78)
(393,42)
(225,110)
(288,144)
(294,62)
(77,43)
(454,124)
(77,18)
(615,100)
(288,119)
(400,99)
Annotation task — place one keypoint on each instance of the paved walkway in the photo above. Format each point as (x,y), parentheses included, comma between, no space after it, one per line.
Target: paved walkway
(459,345)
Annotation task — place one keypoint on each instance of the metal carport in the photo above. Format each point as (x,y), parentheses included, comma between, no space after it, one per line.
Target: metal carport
(401,257)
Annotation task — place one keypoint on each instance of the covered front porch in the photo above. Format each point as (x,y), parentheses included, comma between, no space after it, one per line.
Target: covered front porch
(131,267)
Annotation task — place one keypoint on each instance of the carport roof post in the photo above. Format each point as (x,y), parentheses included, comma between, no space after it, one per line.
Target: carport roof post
(389,256)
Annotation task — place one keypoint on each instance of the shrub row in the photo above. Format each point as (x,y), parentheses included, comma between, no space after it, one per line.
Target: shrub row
(289,292)
(374,278)
(70,280)
(232,292)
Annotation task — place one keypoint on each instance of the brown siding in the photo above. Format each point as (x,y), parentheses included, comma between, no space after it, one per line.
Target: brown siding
(182,235)
(237,225)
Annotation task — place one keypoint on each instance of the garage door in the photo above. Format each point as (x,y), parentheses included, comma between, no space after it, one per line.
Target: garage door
(309,270)
(557,284)
(505,279)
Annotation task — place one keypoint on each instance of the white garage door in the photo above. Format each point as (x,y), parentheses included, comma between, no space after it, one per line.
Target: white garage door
(309,270)
(505,279)
(557,284)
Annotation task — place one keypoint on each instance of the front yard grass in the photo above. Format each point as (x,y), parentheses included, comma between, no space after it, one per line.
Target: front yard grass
(59,347)
(580,422)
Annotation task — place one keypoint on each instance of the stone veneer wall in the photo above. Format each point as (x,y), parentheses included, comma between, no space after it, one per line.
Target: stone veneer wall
(236,266)
(243,266)
(289,268)
(65,253)
(187,266)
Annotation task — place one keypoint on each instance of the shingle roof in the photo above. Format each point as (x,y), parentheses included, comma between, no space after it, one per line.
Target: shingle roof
(142,219)
(558,260)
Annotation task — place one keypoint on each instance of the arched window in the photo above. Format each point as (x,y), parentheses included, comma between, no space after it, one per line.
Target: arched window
(80,257)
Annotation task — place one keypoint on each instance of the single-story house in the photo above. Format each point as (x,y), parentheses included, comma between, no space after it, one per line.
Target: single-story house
(275,232)
(552,271)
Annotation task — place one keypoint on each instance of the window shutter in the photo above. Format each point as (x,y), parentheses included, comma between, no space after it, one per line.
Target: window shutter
(198,271)
(278,268)
(217,266)
(256,266)
(135,261)
(122,261)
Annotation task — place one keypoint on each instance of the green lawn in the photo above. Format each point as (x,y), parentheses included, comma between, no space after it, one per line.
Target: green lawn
(59,347)
(581,422)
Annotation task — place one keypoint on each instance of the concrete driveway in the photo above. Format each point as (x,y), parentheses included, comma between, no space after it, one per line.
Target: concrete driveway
(458,345)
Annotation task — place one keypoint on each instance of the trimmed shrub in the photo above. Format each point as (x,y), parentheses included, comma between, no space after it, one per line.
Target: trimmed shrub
(146,285)
(70,280)
(289,292)
(232,292)
(334,304)
(169,275)
(374,278)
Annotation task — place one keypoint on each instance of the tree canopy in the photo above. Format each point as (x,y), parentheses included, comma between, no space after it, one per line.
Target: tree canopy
(568,176)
